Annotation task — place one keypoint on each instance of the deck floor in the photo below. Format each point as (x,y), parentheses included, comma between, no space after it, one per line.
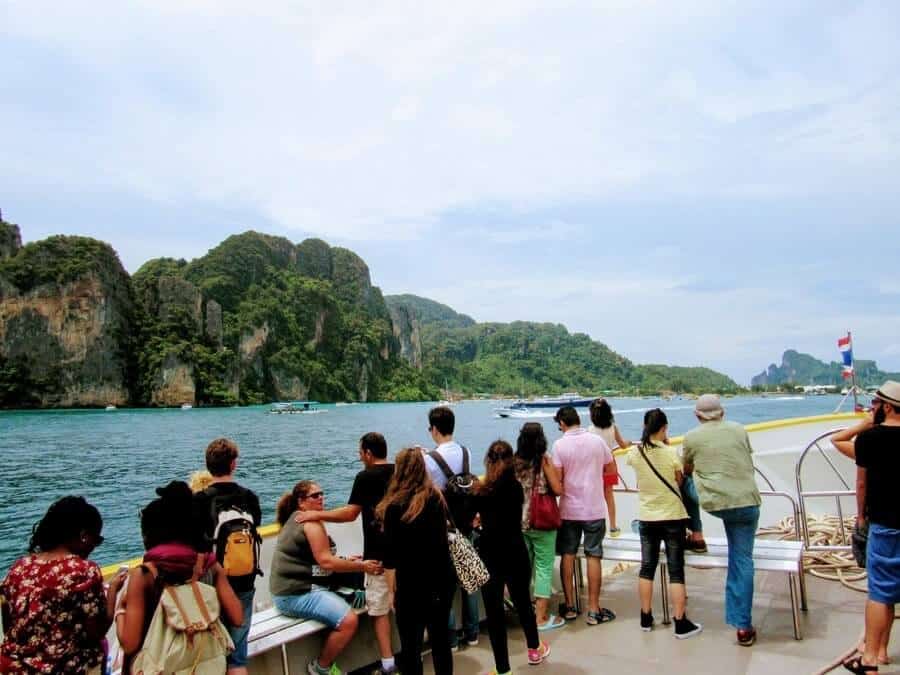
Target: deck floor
(831,626)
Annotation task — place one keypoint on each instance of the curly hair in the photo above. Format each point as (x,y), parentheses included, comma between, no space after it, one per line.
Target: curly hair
(65,521)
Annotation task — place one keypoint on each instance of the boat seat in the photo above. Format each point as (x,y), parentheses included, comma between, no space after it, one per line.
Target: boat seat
(270,629)
(769,555)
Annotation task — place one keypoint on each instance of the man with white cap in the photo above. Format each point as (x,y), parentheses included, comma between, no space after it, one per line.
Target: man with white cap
(877,468)
(718,454)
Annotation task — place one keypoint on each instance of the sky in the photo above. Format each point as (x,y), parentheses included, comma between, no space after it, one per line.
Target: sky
(694,183)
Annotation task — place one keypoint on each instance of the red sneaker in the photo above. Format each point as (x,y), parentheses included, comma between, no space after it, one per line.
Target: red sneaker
(746,637)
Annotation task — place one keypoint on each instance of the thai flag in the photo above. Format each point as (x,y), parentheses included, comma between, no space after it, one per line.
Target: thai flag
(846,349)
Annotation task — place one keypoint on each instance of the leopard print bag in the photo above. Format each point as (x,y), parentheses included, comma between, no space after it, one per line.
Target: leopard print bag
(470,569)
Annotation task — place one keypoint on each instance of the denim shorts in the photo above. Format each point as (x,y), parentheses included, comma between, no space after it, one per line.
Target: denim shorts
(318,604)
(239,634)
(883,564)
(569,537)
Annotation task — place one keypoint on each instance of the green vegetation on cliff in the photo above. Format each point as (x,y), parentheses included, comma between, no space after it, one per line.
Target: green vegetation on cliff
(525,358)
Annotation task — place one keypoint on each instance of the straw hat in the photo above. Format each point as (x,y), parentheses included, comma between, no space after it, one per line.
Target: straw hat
(889,392)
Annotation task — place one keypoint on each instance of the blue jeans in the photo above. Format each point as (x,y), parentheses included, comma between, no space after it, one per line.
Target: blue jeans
(469,609)
(317,604)
(691,503)
(239,635)
(740,530)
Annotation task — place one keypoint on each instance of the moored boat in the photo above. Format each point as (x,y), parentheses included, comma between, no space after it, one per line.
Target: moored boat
(295,408)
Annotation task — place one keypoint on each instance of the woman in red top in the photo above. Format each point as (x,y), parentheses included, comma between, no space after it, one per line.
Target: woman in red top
(55,608)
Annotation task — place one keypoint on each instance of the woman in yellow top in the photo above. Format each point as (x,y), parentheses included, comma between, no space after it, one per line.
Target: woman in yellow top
(662,519)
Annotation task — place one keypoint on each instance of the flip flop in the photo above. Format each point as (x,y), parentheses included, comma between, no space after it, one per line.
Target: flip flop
(552,622)
(568,613)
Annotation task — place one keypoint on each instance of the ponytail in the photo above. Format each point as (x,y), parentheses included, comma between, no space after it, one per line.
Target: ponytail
(287,503)
(654,420)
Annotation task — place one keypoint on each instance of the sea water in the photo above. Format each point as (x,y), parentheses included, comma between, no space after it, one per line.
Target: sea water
(116,458)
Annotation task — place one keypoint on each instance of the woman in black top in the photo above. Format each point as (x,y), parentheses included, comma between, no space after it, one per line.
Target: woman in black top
(499,500)
(417,562)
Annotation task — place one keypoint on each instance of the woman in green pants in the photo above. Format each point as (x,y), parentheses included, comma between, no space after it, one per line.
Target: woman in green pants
(536,473)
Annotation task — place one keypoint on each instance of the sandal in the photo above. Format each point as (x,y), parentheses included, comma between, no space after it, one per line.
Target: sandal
(552,622)
(855,665)
(568,613)
(603,616)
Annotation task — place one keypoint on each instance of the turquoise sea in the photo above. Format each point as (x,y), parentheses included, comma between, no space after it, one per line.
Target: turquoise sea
(116,458)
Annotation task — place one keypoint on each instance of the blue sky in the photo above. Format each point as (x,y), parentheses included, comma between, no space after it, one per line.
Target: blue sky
(699,183)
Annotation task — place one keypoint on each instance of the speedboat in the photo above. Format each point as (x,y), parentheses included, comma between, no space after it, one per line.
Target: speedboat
(573,399)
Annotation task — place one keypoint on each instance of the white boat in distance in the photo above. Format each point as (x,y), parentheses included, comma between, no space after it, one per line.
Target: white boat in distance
(526,408)
(295,408)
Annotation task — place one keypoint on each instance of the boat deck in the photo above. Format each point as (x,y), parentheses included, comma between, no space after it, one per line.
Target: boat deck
(831,627)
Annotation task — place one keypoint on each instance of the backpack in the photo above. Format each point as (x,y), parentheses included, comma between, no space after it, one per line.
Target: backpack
(459,490)
(235,539)
(186,634)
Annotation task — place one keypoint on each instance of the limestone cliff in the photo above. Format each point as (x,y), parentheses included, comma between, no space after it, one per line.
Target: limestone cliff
(10,239)
(405,326)
(65,325)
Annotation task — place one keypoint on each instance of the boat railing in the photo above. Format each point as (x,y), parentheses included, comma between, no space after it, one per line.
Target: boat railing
(771,492)
(813,447)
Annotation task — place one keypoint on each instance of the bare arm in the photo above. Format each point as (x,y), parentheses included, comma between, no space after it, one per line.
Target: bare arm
(228,599)
(342,514)
(679,477)
(621,441)
(552,474)
(321,550)
(860,495)
(843,440)
(130,615)
(846,448)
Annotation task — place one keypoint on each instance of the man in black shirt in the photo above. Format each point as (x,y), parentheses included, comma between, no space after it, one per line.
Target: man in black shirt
(224,493)
(877,469)
(369,488)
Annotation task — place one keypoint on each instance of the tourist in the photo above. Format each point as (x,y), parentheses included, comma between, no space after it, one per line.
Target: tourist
(583,460)
(304,558)
(369,488)
(441,425)
(171,556)
(718,454)
(417,563)
(499,499)
(55,610)
(603,424)
(662,516)
(537,475)
(224,494)
(878,465)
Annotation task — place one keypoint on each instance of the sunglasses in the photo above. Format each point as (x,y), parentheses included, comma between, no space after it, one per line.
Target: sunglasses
(315,495)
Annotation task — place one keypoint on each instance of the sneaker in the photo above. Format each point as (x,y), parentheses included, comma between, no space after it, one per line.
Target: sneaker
(537,656)
(472,641)
(313,668)
(746,637)
(614,532)
(454,648)
(647,621)
(685,628)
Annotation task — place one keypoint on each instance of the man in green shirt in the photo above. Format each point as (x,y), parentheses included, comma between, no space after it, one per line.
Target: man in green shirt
(718,454)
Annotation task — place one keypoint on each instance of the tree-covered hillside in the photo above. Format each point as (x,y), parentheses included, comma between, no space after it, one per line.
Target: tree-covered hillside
(797,368)
(525,358)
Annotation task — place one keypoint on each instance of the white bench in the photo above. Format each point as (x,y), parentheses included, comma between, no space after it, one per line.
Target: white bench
(270,629)
(768,556)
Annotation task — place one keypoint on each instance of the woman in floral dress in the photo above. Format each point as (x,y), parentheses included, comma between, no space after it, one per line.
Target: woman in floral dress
(55,609)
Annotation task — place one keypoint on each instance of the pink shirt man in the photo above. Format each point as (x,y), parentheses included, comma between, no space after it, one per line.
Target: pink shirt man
(582,455)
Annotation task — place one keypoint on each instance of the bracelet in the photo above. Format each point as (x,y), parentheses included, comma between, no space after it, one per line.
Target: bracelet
(118,613)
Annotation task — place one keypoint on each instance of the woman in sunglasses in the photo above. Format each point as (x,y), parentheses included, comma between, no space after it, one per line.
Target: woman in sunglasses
(55,609)
(304,558)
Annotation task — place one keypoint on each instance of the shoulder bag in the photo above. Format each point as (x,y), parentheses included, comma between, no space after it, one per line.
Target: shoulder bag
(543,511)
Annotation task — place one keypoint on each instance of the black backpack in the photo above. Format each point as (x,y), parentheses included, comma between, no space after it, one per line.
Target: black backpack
(459,490)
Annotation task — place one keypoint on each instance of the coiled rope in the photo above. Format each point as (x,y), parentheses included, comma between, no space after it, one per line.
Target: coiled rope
(824,531)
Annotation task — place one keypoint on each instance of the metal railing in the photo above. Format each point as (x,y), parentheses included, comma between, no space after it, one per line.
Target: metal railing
(803,495)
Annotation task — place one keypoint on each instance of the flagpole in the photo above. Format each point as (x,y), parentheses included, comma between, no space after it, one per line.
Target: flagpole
(853,374)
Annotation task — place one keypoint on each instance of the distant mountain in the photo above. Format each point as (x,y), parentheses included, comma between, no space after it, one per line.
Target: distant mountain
(526,357)
(803,369)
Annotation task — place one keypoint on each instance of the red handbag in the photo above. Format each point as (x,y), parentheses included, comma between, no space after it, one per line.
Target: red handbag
(543,510)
